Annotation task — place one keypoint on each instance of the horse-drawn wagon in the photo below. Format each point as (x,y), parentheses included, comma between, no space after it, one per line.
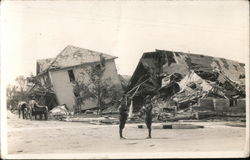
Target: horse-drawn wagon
(36,109)
(32,109)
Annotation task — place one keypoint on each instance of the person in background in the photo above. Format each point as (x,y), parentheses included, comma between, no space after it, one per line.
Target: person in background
(147,110)
(123,111)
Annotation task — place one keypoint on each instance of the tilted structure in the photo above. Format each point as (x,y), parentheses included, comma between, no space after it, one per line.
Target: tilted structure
(72,65)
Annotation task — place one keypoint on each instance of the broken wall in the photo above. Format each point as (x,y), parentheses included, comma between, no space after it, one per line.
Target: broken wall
(221,105)
(206,103)
(240,106)
(241,103)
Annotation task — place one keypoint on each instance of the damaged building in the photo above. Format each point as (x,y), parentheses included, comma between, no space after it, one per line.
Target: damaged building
(184,79)
(60,74)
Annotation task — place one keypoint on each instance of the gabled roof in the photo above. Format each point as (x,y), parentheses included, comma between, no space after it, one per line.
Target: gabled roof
(69,57)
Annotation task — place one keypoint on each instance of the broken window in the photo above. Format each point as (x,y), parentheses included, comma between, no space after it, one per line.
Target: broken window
(71,75)
(242,76)
(232,102)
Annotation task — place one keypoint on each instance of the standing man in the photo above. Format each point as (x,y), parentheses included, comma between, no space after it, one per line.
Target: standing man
(147,109)
(123,115)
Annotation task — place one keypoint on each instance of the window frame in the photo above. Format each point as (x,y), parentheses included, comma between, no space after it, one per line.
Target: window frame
(71,75)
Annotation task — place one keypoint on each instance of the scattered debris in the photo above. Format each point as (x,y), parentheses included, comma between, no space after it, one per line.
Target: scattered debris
(97,121)
(132,143)
(42,93)
(110,110)
(204,114)
(186,126)
(59,112)
(201,86)
(89,112)
(184,86)
(186,78)
(236,124)
(173,126)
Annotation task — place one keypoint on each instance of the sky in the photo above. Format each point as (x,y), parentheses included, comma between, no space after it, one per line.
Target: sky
(34,30)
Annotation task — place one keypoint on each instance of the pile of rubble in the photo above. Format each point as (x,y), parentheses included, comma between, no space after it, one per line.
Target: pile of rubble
(193,97)
(59,112)
(183,82)
(204,109)
(62,113)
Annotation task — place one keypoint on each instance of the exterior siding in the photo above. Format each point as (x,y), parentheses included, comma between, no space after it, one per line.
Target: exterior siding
(111,72)
(63,88)
(82,75)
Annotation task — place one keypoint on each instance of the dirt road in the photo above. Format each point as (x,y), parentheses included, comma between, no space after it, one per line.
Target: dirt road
(42,137)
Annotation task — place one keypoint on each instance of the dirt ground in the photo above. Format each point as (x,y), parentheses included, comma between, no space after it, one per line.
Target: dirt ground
(43,137)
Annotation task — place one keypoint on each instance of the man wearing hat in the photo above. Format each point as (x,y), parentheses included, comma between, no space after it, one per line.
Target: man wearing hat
(123,115)
(147,109)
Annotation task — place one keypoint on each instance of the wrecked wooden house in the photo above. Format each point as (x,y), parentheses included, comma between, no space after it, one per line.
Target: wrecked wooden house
(74,66)
(183,79)
(44,95)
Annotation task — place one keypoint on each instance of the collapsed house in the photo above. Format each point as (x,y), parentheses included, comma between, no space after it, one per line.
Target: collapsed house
(182,79)
(43,94)
(62,79)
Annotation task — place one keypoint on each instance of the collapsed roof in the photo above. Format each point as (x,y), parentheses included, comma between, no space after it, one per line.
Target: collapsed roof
(43,95)
(216,72)
(70,56)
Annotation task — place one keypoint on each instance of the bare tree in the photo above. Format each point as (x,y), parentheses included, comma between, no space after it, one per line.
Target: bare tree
(21,81)
(16,93)
(101,90)
(11,91)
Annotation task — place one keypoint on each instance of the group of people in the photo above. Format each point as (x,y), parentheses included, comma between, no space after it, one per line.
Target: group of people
(146,110)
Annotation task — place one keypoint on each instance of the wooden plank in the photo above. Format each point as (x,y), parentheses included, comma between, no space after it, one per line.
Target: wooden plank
(136,86)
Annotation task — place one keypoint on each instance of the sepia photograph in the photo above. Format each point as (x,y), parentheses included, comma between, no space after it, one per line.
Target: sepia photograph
(124,79)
